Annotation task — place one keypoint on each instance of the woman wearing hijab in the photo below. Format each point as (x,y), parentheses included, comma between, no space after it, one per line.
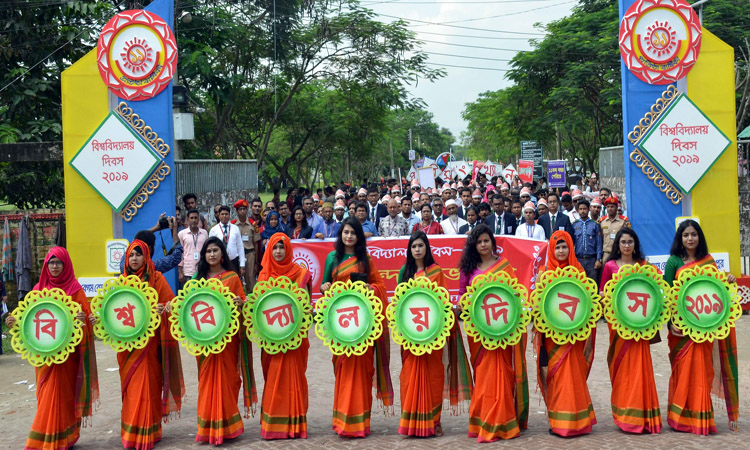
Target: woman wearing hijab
(220,375)
(66,391)
(635,402)
(273,226)
(285,398)
(499,406)
(562,370)
(423,377)
(352,401)
(699,369)
(151,377)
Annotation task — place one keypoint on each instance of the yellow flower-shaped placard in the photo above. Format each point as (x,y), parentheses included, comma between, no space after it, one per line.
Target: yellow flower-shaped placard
(705,306)
(636,302)
(420,315)
(45,331)
(126,311)
(277,315)
(565,305)
(204,318)
(495,311)
(350,318)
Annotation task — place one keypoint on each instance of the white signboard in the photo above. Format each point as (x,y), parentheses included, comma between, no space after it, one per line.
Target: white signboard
(91,284)
(426,177)
(660,261)
(509,172)
(460,169)
(684,143)
(491,169)
(115,250)
(412,175)
(115,161)
(412,155)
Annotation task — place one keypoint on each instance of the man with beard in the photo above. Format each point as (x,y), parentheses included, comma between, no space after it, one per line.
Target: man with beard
(327,228)
(452,223)
(407,212)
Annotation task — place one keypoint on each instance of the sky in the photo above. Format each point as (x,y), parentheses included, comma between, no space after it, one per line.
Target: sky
(447,27)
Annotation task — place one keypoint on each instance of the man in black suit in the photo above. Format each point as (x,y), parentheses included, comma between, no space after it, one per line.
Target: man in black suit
(555,219)
(465,194)
(500,221)
(375,211)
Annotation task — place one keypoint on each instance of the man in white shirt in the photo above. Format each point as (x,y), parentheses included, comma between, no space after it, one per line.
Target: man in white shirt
(452,223)
(230,235)
(192,240)
(530,229)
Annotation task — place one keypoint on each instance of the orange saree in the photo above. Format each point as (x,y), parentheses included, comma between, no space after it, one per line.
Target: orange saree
(352,399)
(151,378)
(695,367)
(285,396)
(65,393)
(563,386)
(499,406)
(220,377)
(422,378)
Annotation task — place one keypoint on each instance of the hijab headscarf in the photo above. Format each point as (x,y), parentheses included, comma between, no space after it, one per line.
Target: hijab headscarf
(66,280)
(269,231)
(147,271)
(552,262)
(285,268)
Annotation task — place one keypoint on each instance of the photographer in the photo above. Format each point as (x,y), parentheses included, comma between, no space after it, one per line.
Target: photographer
(173,255)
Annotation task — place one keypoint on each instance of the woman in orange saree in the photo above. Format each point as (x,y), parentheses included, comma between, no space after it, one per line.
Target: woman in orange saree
(426,379)
(635,402)
(283,411)
(352,399)
(694,375)
(151,377)
(221,375)
(562,370)
(66,391)
(499,406)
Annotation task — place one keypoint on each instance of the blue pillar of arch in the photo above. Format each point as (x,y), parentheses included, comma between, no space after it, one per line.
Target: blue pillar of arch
(651,213)
(157,113)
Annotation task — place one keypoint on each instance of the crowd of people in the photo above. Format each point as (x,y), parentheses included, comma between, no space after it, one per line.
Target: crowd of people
(494,383)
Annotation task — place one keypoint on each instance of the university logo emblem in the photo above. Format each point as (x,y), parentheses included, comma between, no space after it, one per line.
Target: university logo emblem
(309,261)
(136,54)
(660,40)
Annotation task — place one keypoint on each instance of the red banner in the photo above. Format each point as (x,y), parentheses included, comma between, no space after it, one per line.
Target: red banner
(389,255)
(526,170)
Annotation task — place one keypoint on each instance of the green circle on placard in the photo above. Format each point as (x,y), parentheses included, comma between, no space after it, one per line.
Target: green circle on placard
(566,305)
(204,316)
(350,318)
(419,315)
(46,328)
(704,303)
(638,302)
(125,313)
(496,311)
(277,316)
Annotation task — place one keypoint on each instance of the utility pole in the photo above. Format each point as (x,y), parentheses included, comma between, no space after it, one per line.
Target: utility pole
(393,168)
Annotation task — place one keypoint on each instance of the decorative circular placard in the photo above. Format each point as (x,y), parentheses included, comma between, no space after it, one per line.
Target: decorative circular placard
(204,317)
(565,305)
(136,54)
(277,315)
(45,332)
(660,40)
(494,310)
(349,318)
(704,305)
(635,302)
(126,312)
(420,315)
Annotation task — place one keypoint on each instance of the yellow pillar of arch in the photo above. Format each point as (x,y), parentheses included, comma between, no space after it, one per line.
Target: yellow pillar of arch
(88,218)
(710,85)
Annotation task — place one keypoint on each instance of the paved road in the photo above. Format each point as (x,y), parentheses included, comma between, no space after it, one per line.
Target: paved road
(18,405)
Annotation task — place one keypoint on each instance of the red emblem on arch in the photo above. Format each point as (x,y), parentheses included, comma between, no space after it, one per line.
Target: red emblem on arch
(136,54)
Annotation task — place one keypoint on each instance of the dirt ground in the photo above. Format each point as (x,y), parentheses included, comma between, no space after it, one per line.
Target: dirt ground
(18,406)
